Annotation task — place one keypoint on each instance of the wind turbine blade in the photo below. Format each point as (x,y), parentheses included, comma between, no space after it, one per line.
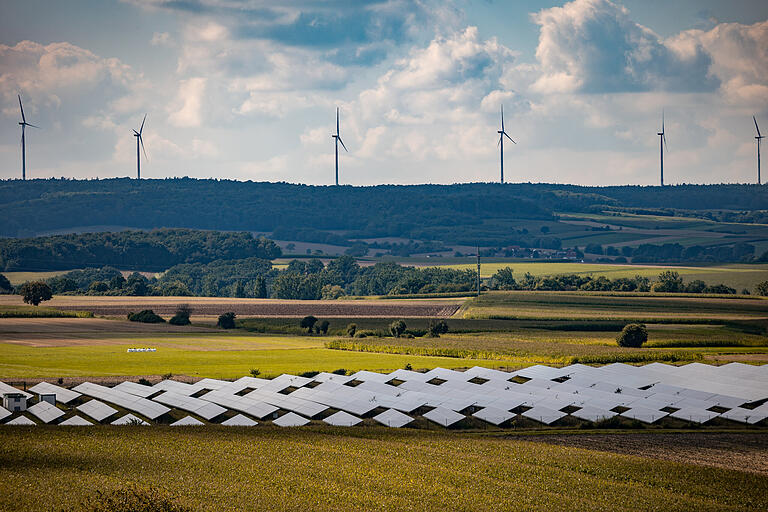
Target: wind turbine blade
(756,127)
(664,137)
(33,126)
(342,144)
(142,124)
(23,119)
(662,121)
(337,121)
(141,139)
(499,142)
(510,138)
(502,118)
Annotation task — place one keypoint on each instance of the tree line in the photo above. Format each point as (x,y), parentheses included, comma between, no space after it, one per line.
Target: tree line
(145,250)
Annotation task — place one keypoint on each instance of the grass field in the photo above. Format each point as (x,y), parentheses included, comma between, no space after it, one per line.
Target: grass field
(17,278)
(367,468)
(737,276)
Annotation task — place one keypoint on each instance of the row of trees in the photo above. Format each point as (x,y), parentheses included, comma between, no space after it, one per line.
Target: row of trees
(668,281)
(146,250)
(675,253)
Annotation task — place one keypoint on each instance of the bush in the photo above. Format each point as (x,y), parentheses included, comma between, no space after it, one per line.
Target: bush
(633,335)
(397,328)
(182,315)
(324,326)
(762,288)
(226,321)
(340,371)
(35,292)
(255,372)
(351,328)
(331,292)
(436,328)
(5,285)
(308,322)
(146,316)
(132,499)
(144,382)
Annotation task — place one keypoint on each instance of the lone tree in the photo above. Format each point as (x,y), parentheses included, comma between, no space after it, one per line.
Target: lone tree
(762,289)
(436,328)
(35,292)
(227,320)
(397,328)
(182,315)
(633,335)
(351,330)
(308,323)
(324,326)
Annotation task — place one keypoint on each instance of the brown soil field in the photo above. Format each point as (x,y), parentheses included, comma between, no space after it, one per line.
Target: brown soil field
(214,306)
(741,451)
(54,332)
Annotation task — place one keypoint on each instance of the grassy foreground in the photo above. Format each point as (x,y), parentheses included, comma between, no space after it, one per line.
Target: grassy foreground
(56,468)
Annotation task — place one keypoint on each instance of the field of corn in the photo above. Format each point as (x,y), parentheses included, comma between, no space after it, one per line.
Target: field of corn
(318,468)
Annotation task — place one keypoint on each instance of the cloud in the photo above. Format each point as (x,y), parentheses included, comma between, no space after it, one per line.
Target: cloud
(190,98)
(161,39)
(593,46)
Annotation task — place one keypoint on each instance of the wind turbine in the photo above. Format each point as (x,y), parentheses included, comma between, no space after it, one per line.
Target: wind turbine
(337,138)
(502,134)
(662,146)
(140,140)
(758,139)
(24,125)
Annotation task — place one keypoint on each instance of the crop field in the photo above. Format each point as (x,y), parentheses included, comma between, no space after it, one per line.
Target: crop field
(365,468)
(736,276)
(616,306)
(17,278)
(52,348)
(214,306)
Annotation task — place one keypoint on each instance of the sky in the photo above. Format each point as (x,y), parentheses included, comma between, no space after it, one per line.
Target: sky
(248,89)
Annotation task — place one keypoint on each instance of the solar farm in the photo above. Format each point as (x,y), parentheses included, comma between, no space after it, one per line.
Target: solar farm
(652,394)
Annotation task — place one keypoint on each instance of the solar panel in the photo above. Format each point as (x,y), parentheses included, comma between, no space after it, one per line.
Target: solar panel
(239,421)
(5,388)
(643,414)
(75,421)
(197,406)
(96,410)
(443,416)
(393,418)
(342,419)
(543,415)
(590,413)
(134,403)
(493,415)
(21,420)
(290,420)
(694,414)
(45,411)
(4,413)
(136,389)
(749,416)
(63,395)
(129,419)
(187,421)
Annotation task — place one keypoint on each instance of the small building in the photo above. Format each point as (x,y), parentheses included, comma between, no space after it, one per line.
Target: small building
(15,402)
(48,397)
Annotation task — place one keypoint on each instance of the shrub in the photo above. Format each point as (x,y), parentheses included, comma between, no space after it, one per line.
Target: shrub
(308,322)
(340,371)
(5,285)
(397,328)
(132,499)
(408,366)
(633,335)
(324,326)
(762,289)
(351,328)
(144,382)
(182,315)
(35,292)
(331,292)
(226,321)
(308,375)
(146,316)
(255,372)
(436,328)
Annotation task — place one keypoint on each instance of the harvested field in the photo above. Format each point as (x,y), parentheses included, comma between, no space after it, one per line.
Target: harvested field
(741,451)
(214,306)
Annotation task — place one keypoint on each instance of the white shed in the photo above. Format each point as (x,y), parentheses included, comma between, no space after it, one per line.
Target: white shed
(15,402)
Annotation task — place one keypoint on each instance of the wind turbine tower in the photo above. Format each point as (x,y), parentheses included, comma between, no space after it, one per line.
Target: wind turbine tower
(337,139)
(140,141)
(24,125)
(502,134)
(662,147)
(758,139)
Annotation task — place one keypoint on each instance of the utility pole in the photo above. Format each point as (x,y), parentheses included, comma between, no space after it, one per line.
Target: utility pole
(478,270)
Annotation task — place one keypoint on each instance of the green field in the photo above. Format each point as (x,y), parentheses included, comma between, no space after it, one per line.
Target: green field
(226,357)
(738,276)
(17,278)
(361,468)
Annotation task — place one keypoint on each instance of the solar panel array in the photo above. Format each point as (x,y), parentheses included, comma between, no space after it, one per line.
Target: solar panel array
(694,392)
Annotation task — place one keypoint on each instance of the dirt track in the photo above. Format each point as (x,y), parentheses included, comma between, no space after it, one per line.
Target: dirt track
(746,451)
